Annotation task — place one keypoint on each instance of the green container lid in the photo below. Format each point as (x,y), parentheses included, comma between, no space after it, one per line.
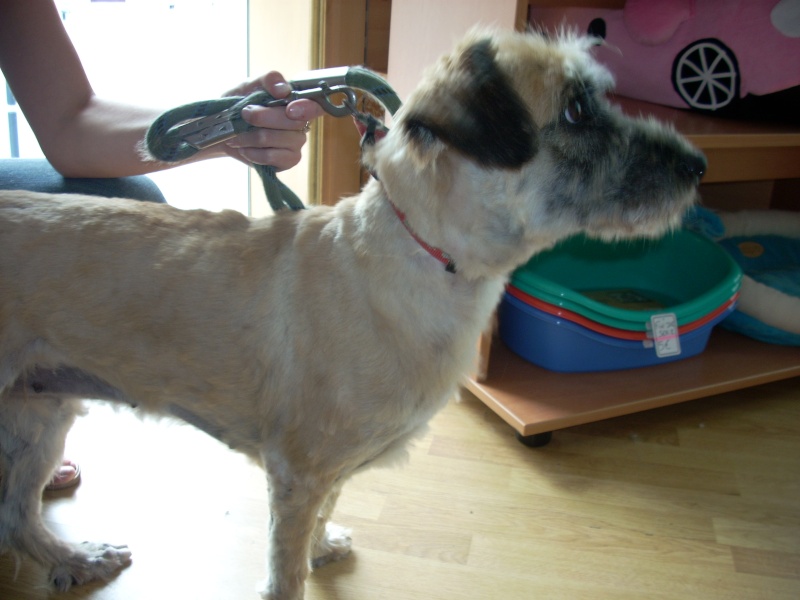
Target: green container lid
(622,284)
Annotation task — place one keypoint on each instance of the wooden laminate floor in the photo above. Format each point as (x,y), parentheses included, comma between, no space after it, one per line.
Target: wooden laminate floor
(699,501)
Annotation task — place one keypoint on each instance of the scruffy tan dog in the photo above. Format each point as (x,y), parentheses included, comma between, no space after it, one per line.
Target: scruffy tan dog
(318,342)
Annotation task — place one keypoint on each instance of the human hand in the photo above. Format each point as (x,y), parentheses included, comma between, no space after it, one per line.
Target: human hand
(280,131)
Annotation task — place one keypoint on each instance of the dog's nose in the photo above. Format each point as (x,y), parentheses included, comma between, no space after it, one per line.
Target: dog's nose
(695,165)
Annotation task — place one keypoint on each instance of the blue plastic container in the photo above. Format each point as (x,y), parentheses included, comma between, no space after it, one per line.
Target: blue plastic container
(622,284)
(561,345)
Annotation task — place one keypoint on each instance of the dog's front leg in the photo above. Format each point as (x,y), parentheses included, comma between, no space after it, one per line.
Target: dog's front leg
(295,501)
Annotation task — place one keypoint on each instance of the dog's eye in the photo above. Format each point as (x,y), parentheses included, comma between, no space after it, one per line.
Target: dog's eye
(574,112)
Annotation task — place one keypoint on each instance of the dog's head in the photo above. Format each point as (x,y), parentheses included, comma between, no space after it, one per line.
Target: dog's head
(509,145)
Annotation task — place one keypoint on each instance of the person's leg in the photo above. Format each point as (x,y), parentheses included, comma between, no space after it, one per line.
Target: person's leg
(37,175)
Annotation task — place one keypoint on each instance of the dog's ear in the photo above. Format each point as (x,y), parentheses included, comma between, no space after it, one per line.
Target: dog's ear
(475,110)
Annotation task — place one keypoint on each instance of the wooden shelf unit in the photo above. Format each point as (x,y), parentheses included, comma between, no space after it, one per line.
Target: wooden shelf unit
(533,400)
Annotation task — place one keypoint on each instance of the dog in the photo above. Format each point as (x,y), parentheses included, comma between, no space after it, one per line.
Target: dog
(319,342)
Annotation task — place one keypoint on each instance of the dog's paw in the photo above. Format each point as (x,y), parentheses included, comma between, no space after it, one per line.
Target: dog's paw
(90,562)
(334,546)
(269,592)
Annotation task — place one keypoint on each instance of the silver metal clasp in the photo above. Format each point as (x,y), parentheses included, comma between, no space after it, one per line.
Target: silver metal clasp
(326,97)
(314,79)
(325,86)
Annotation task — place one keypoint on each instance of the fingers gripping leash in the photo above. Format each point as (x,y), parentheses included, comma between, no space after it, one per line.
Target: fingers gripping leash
(183,131)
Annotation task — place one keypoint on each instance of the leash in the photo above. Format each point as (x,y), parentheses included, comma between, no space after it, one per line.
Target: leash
(181,132)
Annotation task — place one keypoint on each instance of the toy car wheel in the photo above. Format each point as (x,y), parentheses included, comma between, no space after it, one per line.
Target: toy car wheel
(706,75)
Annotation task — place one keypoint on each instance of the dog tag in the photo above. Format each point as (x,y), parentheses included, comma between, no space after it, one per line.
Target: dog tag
(664,328)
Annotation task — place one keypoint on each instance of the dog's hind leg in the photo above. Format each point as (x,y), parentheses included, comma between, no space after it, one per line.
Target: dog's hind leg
(331,542)
(32,435)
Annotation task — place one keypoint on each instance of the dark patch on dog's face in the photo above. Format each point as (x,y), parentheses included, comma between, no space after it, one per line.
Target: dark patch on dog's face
(483,117)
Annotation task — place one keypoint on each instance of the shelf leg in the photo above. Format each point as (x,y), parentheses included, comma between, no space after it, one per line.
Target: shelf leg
(537,440)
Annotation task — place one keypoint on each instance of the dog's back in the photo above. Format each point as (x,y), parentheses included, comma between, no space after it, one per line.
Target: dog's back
(93,280)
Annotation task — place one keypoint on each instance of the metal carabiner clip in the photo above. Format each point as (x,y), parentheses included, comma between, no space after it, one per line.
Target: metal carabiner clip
(332,77)
(325,96)
(322,86)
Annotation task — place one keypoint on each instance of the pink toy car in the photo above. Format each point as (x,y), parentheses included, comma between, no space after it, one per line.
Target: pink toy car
(710,55)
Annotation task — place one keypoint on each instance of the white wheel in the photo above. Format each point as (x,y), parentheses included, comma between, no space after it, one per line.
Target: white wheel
(706,75)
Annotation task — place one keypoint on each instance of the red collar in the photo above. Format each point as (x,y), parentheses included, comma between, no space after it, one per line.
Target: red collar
(372,130)
(437,253)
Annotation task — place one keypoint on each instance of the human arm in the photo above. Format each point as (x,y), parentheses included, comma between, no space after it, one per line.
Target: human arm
(84,135)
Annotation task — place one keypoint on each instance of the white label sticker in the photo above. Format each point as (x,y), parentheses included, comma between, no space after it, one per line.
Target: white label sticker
(664,329)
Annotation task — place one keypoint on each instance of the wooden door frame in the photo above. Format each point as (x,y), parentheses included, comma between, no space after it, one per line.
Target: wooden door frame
(347,32)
